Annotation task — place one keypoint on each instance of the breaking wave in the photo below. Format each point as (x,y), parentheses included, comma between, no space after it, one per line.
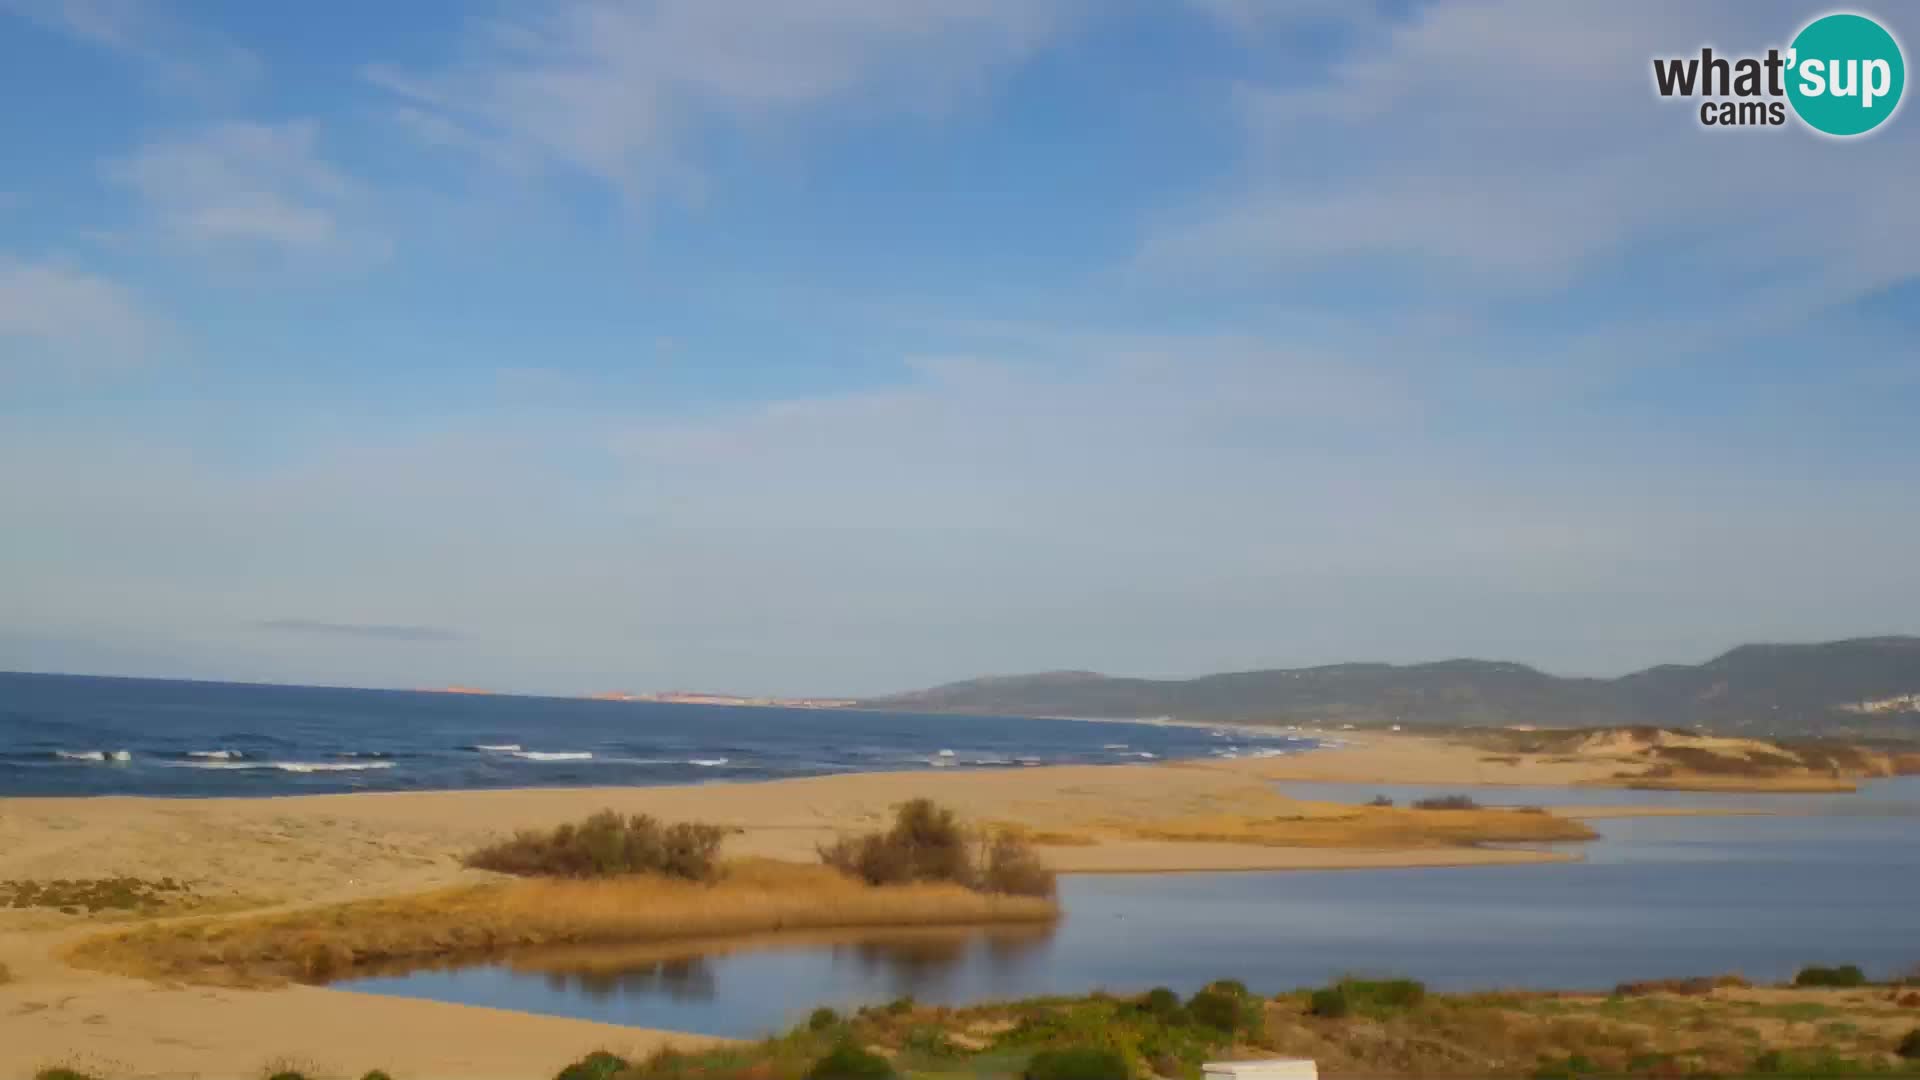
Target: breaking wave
(93,755)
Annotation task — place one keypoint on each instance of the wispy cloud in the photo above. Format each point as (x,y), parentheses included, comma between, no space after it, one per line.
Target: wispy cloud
(69,317)
(1482,152)
(620,92)
(251,188)
(369,631)
(178,54)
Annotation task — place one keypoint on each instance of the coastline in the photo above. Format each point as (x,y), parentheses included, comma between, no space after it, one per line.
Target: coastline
(293,852)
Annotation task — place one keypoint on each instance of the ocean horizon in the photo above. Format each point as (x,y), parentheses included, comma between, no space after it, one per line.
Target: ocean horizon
(110,735)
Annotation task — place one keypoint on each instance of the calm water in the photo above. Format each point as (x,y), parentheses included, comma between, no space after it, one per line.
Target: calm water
(1656,897)
(72,735)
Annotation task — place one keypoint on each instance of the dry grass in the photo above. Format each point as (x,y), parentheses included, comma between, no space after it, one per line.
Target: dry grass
(1319,826)
(1042,837)
(325,942)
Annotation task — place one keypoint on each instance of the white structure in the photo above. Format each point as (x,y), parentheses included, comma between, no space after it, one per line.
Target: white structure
(1270,1069)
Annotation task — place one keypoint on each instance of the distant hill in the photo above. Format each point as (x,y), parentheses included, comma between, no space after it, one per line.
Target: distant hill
(1865,686)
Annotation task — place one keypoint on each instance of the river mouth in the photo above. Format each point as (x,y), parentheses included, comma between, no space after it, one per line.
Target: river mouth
(1654,897)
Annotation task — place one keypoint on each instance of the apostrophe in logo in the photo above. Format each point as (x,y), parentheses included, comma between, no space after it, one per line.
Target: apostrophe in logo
(1843,76)
(1846,74)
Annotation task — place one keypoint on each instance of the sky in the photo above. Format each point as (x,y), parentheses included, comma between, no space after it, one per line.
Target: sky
(851,346)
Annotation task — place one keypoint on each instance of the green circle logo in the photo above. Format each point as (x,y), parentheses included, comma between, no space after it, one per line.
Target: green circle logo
(1845,74)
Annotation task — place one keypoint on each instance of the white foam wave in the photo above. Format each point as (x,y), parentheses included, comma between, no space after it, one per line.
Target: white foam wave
(1148,754)
(218,755)
(1113,746)
(93,755)
(497,748)
(552,755)
(707,763)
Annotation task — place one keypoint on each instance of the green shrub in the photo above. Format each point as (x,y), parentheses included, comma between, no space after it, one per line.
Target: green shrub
(607,845)
(1230,986)
(900,1006)
(1215,1009)
(286,1074)
(1384,994)
(1381,801)
(821,1019)
(1330,1002)
(1161,1002)
(1009,865)
(376,1074)
(60,1072)
(598,1065)
(1844,975)
(849,1061)
(1910,1046)
(1077,1063)
(926,843)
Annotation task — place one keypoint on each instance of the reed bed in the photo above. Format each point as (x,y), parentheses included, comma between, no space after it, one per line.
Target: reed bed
(321,943)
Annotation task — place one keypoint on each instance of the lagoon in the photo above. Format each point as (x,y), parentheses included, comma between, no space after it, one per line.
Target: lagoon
(1834,882)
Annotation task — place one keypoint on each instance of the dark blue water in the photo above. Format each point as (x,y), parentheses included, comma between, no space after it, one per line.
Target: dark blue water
(78,735)
(1655,898)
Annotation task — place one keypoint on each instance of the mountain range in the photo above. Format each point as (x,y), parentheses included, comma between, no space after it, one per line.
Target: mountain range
(1857,687)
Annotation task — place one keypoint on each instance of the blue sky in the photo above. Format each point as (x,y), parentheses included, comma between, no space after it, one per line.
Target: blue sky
(853,345)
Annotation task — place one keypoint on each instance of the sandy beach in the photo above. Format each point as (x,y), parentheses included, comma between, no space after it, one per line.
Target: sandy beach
(280,853)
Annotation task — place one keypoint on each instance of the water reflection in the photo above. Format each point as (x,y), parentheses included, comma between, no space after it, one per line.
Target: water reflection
(688,978)
(738,986)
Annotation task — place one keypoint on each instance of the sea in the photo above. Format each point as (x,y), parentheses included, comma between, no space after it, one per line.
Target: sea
(85,735)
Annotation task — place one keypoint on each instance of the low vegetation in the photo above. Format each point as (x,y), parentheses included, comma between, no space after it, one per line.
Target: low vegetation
(74,896)
(1691,987)
(1383,1028)
(1846,975)
(1379,1028)
(326,942)
(608,845)
(927,844)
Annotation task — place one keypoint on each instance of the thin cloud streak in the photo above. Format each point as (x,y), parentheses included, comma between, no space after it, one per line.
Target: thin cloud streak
(371,631)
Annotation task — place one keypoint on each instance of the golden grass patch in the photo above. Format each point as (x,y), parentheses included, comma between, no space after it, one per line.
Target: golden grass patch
(1321,825)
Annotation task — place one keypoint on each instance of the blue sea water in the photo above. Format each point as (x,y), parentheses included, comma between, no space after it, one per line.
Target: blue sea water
(83,735)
